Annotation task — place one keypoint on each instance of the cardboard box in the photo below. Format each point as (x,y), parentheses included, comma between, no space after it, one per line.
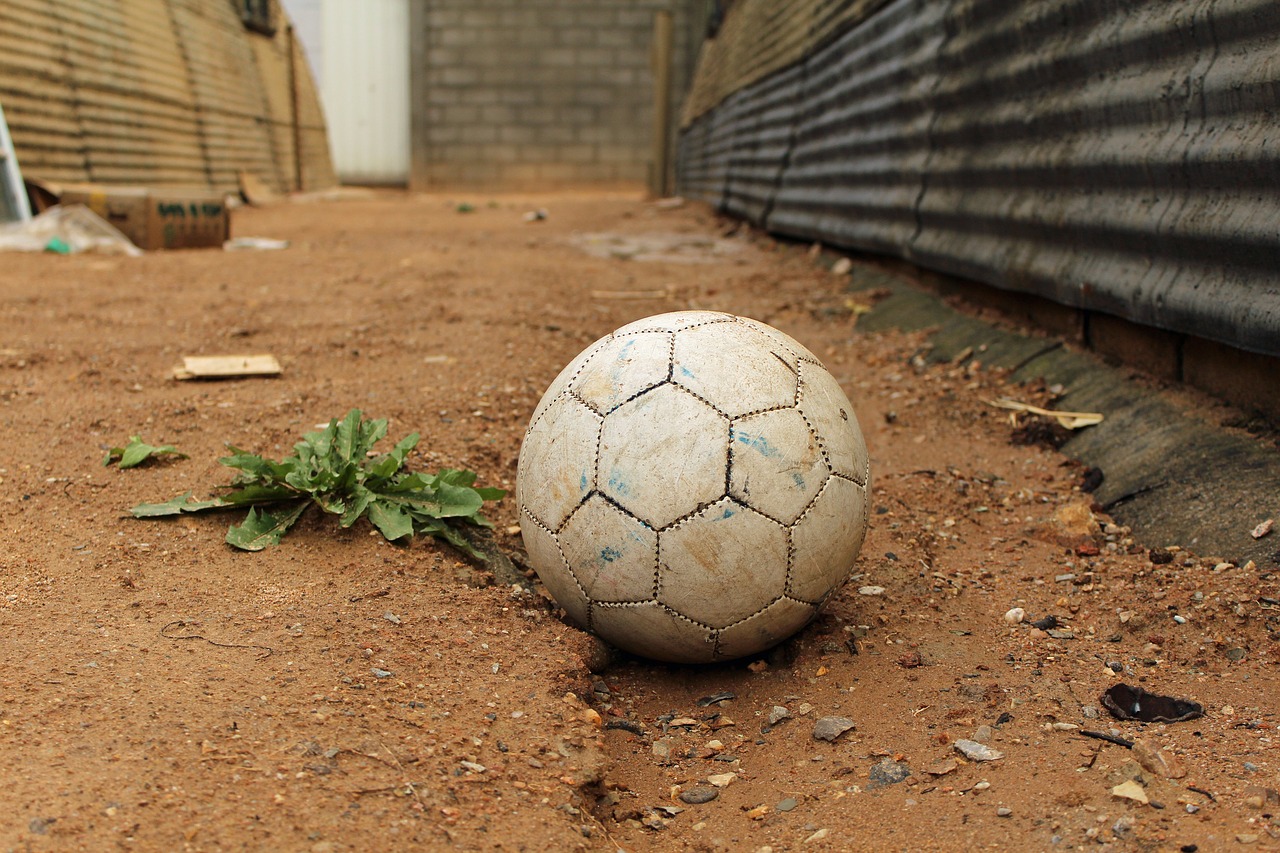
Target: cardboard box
(157,218)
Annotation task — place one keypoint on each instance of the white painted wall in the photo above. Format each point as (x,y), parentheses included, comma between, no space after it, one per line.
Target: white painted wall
(359,53)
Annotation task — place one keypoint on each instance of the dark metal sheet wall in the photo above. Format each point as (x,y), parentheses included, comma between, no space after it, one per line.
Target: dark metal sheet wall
(1115,157)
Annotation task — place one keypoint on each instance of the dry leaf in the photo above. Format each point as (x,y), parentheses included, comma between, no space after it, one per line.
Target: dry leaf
(1070,420)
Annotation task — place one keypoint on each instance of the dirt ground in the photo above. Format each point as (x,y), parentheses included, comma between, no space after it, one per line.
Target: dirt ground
(161,691)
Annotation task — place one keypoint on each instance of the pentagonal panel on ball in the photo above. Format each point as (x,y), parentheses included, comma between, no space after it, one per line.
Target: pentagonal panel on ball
(621,368)
(612,554)
(824,403)
(558,460)
(825,542)
(654,631)
(732,366)
(663,454)
(788,347)
(722,565)
(775,464)
(547,560)
(767,628)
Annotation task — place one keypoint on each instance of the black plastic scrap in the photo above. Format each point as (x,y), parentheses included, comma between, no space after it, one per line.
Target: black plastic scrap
(1134,703)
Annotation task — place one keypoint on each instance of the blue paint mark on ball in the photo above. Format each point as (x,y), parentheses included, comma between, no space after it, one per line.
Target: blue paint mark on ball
(758,443)
(610,554)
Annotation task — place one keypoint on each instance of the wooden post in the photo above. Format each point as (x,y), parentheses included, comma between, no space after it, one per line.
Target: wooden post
(293,108)
(659,181)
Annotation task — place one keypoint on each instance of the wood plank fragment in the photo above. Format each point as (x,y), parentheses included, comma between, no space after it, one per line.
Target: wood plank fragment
(226,366)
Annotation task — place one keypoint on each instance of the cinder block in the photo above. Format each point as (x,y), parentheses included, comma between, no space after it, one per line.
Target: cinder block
(537,115)
(496,114)
(595,57)
(462,115)
(577,116)
(576,37)
(501,153)
(518,134)
(477,133)
(458,76)
(558,57)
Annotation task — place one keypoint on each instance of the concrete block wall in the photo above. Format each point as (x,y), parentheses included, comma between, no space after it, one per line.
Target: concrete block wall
(520,94)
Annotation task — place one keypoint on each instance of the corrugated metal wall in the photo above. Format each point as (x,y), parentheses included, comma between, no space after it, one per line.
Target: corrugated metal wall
(156,92)
(1116,157)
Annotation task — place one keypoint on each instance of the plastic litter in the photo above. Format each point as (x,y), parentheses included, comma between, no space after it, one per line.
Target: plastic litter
(65,230)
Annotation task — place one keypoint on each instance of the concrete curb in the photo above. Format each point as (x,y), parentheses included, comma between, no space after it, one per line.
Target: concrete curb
(1173,478)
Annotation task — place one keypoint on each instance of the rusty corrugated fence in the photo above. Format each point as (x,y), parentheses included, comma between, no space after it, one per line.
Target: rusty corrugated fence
(158,92)
(1115,157)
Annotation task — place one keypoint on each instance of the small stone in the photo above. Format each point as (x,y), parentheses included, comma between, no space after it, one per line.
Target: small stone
(1004,811)
(698,795)
(975,751)
(391,617)
(1247,837)
(661,749)
(1236,654)
(805,709)
(823,833)
(1131,790)
(778,714)
(380,673)
(722,780)
(889,772)
(1015,615)
(1157,761)
(984,785)
(871,590)
(830,728)
(983,734)
(598,655)
(473,766)
(1181,620)
(942,768)
(787,805)
(1262,529)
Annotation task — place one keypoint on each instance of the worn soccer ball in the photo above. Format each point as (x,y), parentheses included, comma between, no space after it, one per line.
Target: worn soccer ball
(693,487)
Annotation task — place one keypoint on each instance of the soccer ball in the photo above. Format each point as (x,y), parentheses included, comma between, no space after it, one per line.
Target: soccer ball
(693,487)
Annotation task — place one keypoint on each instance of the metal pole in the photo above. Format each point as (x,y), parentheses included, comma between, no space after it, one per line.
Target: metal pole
(659,182)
